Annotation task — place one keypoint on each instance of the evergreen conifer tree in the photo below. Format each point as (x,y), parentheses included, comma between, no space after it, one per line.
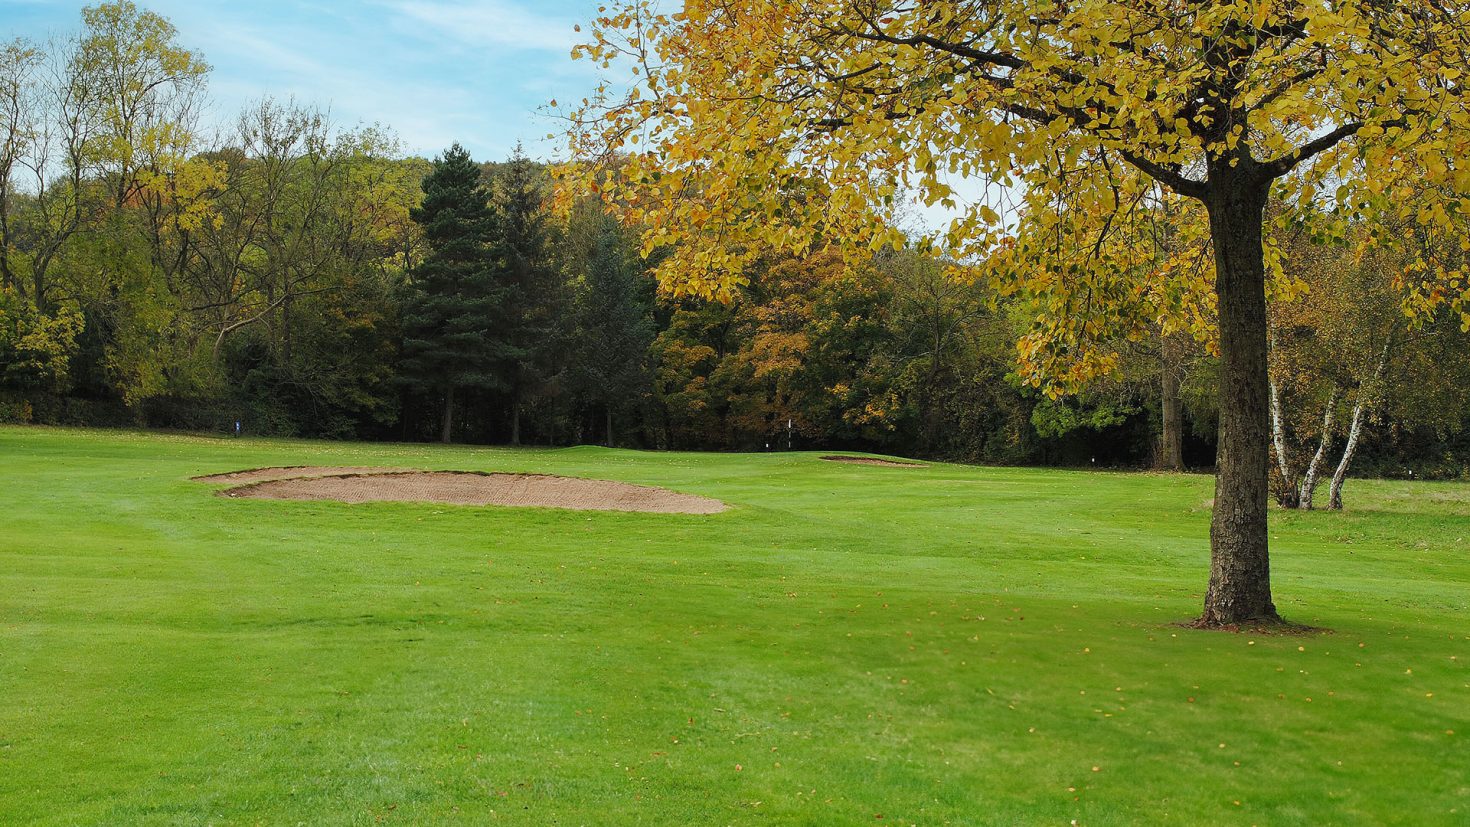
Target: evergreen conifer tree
(614,323)
(535,290)
(453,325)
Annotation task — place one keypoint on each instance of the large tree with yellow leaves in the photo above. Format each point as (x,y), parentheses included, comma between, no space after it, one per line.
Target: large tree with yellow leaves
(763,123)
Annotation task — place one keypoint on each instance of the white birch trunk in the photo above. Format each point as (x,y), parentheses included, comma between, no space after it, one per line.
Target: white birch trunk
(1309,480)
(1334,496)
(1360,409)
(1278,439)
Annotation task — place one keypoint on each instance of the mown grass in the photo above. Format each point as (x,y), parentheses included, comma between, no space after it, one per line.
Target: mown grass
(848,645)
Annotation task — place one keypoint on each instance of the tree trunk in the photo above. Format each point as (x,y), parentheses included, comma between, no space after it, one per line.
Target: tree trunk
(7,277)
(1287,496)
(446,425)
(1366,394)
(1171,442)
(515,418)
(1240,567)
(1309,481)
(608,411)
(1355,430)
(38,285)
(286,329)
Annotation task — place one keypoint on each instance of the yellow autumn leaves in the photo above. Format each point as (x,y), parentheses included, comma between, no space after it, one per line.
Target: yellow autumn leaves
(795,126)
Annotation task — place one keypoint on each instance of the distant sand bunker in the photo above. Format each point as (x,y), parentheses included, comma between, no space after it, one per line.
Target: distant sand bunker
(292,472)
(469,488)
(871,461)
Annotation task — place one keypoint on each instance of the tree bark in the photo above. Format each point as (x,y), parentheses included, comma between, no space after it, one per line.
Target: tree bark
(7,276)
(1240,569)
(1355,430)
(1283,457)
(1171,442)
(1309,480)
(1366,394)
(515,418)
(286,327)
(446,425)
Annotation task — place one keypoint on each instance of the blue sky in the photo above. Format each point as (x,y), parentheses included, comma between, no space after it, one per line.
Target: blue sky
(436,71)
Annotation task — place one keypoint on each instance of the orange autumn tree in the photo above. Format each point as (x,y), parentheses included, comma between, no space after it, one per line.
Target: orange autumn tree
(737,105)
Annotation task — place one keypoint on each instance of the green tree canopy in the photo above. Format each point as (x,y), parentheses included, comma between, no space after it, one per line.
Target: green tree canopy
(453,325)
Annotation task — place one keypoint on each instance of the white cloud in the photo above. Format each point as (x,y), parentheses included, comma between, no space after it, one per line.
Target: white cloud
(434,71)
(284,61)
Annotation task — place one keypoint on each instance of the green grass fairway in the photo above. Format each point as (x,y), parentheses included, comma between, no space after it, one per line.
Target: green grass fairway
(847,645)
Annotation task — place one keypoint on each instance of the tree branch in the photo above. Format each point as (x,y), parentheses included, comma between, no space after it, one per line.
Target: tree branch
(1278,167)
(1170,176)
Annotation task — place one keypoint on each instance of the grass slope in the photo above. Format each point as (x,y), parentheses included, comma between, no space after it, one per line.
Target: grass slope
(848,645)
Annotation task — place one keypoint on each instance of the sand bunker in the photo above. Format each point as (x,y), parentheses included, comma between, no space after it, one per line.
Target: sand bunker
(469,488)
(888,463)
(292,472)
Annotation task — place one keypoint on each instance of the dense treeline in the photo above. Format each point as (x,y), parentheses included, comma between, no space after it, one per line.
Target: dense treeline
(302,279)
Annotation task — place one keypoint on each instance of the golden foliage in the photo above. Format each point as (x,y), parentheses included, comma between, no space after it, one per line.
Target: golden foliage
(799,125)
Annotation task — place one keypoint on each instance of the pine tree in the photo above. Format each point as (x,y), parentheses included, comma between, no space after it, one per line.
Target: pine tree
(535,292)
(615,328)
(453,327)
